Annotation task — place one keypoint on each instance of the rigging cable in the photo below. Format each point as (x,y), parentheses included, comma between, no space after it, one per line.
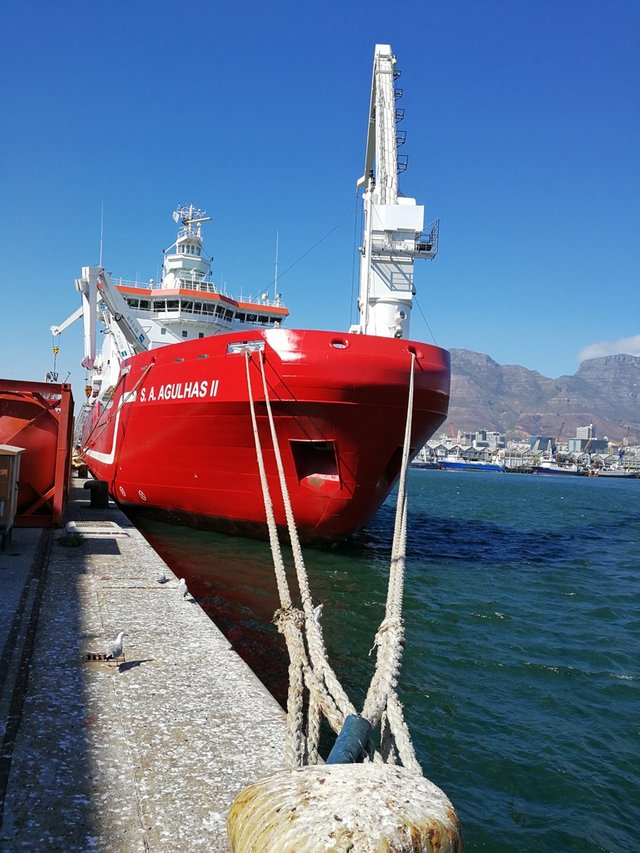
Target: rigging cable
(311,248)
(426,322)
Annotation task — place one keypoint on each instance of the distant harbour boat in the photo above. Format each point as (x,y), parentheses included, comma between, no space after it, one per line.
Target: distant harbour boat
(553,468)
(620,473)
(455,463)
(469,465)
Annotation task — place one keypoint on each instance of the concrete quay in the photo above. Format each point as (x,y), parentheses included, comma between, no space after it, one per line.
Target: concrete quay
(144,755)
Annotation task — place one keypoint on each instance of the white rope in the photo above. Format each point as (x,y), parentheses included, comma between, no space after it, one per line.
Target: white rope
(315,640)
(294,750)
(390,636)
(309,665)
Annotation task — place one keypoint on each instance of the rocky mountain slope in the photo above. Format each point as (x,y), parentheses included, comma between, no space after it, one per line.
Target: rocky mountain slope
(515,400)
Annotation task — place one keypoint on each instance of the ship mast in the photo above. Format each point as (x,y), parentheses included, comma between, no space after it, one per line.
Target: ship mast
(393,225)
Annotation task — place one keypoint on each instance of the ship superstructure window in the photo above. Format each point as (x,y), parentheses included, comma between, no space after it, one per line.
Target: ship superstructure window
(184,334)
(241,317)
(163,331)
(145,305)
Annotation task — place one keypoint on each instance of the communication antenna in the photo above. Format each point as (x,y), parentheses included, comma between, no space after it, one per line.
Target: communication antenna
(101,230)
(275,274)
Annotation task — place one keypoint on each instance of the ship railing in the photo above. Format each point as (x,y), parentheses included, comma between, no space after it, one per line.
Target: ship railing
(202,286)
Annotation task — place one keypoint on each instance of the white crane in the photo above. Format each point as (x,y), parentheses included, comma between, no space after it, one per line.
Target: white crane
(99,294)
(393,224)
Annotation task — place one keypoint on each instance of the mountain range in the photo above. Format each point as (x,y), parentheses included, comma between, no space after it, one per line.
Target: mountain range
(521,402)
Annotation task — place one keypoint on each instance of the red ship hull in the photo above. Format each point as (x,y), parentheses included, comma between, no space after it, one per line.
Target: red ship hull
(176,437)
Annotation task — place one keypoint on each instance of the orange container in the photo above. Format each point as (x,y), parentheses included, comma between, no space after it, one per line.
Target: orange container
(39,417)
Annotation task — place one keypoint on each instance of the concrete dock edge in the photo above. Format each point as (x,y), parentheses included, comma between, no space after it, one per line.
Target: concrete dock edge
(143,755)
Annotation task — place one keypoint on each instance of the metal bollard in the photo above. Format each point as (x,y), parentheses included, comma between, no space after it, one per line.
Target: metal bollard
(99,493)
(358,807)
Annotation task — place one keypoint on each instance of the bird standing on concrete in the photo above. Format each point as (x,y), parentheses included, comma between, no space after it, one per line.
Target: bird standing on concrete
(182,588)
(115,649)
(162,576)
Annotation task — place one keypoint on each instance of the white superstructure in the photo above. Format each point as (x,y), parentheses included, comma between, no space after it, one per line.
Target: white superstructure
(393,224)
(185,304)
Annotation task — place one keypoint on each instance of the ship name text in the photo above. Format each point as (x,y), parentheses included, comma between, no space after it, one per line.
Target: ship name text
(179,391)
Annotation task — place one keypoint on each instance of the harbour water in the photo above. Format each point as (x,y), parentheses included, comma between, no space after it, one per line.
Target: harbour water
(521,675)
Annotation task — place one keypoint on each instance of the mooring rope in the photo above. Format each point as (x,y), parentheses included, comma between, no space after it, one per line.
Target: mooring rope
(317,650)
(310,673)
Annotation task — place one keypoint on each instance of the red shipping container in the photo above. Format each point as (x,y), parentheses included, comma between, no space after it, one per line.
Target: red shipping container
(39,417)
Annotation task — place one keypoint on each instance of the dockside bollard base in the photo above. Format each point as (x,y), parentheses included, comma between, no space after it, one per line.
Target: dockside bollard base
(99,492)
(343,807)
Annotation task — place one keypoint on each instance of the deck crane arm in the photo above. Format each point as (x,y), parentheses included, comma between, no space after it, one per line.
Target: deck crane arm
(71,319)
(97,289)
(393,224)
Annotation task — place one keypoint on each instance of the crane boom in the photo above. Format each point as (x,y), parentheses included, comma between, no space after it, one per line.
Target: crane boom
(71,319)
(96,288)
(393,224)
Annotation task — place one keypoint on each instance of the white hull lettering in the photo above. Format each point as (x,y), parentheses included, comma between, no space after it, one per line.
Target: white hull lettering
(180,391)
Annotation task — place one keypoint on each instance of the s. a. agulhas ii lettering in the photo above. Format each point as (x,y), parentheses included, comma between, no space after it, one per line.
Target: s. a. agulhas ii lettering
(179,391)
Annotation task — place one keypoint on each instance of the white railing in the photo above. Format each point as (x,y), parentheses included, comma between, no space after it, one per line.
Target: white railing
(202,286)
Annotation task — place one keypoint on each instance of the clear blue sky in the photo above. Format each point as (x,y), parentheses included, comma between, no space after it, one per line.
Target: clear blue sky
(523,136)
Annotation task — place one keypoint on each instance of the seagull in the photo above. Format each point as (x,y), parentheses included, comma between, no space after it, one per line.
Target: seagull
(182,588)
(115,649)
(162,577)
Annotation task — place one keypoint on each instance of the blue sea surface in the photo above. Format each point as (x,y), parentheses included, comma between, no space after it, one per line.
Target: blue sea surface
(521,673)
